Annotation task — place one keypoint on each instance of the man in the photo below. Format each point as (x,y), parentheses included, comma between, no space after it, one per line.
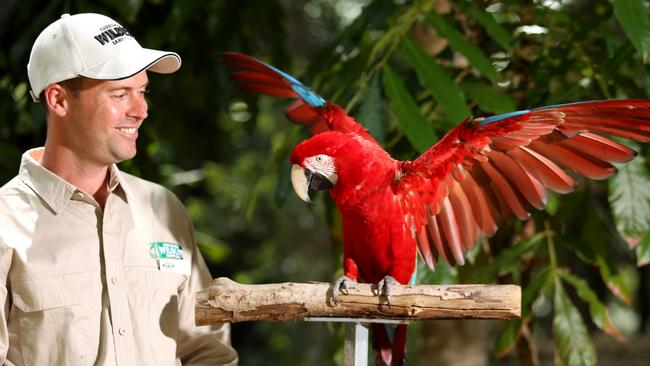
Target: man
(97,267)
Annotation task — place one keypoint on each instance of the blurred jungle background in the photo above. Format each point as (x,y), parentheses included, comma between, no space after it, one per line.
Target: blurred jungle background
(409,71)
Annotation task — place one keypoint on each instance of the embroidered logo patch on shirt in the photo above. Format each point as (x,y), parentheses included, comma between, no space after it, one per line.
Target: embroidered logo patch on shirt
(165,250)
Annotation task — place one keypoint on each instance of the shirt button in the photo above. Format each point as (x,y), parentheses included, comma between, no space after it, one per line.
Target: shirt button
(114,280)
(122,331)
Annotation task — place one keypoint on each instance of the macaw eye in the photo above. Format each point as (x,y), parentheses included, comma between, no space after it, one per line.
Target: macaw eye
(319,158)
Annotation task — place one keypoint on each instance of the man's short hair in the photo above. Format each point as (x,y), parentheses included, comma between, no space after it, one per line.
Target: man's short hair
(73,85)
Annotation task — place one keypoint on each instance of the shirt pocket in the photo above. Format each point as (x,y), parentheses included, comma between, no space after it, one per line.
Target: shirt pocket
(58,323)
(164,290)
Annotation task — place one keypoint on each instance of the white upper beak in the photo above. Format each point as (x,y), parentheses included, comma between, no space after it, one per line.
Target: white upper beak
(300,183)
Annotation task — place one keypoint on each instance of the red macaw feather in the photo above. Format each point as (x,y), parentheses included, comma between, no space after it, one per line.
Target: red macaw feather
(579,163)
(462,208)
(530,188)
(483,214)
(546,171)
(600,148)
(480,173)
(255,82)
(301,113)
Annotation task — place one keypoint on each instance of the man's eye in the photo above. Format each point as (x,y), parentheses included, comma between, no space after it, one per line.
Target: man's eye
(119,96)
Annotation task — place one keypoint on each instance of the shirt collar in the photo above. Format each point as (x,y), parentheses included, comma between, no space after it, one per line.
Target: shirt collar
(54,190)
(117,180)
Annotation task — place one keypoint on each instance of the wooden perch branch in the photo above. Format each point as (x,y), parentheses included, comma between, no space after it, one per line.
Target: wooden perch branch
(229,301)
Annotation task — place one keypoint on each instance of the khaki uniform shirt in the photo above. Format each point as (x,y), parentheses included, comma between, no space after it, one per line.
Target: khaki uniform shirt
(84,286)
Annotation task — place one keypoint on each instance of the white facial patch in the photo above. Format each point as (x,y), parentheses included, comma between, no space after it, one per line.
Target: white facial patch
(322,164)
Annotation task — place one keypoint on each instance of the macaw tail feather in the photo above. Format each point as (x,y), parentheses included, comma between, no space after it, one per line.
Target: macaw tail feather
(257,77)
(389,352)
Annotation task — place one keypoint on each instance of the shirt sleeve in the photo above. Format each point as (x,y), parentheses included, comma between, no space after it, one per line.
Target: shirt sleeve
(204,345)
(5,264)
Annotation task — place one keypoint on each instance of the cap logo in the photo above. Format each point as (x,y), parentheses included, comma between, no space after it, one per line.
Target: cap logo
(113,33)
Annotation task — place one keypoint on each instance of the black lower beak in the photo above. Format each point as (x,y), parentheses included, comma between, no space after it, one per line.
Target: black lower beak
(317,181)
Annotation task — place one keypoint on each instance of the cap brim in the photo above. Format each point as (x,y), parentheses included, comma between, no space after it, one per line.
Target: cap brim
(130,63)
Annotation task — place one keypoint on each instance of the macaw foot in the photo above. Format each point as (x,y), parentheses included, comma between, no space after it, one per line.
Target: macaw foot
(340,285)
(384,286)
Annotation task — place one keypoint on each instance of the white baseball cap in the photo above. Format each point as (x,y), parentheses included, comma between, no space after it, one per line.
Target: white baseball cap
(94,46)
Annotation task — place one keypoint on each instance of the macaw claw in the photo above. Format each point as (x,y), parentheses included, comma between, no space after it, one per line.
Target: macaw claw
(340,285)
(384,286)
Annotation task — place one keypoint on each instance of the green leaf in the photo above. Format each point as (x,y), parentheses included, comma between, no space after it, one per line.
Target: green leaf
(488,98)
(507,339)
(510,258)
(493,29)
(597,309)
(214,250)
(634,17)
(570,334)
(370,112)
(533,289)
(596,253)
(434,78)
(415,127)
(643,251)
(459,44)
(623,53)
(444,273)
(615,281)
(630,198)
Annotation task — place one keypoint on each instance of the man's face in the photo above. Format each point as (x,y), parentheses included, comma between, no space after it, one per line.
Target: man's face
(104,118)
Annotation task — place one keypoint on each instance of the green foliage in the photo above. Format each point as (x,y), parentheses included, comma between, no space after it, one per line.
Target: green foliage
(509,259)
(411,122)
(643,252)
(486,20)
(597,309)
(634,17)
(630,198)
(509,335)
(437,81)
(458,43)
(371,113)
(571,336)
(408,70)
(488,98)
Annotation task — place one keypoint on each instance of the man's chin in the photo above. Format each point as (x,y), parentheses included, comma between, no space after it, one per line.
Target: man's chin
(124,155)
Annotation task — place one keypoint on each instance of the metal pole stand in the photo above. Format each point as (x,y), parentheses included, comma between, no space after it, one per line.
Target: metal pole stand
(355,347)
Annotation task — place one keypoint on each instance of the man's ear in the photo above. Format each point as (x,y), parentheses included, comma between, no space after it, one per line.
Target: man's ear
(56,98)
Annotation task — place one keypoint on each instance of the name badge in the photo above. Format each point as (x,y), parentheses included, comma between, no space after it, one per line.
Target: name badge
(179,266)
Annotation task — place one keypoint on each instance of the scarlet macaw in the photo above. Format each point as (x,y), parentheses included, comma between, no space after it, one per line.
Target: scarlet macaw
(481,172)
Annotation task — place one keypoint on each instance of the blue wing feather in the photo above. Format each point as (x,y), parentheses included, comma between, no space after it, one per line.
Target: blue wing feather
(564,105)
(306,94)
(500,117)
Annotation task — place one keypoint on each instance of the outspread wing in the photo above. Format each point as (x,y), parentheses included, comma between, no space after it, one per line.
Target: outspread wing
(310,110)
(488,170)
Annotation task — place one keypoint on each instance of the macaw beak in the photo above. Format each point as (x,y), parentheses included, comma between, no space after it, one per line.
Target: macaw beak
(304,180)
